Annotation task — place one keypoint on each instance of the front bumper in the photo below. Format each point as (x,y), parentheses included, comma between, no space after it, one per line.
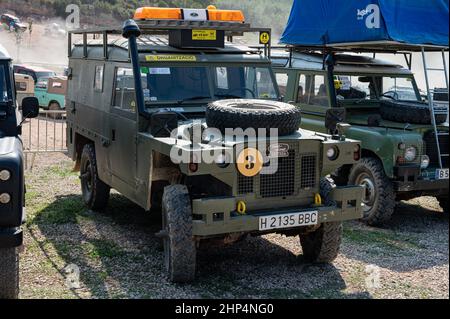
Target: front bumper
(348,207)
(411,179)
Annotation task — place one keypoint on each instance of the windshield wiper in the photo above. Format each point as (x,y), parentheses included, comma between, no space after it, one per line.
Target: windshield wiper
(194,98)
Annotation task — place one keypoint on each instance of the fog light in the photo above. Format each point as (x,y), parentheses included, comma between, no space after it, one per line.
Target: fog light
(425,162)
(193,167)
(5,198)
(5,175)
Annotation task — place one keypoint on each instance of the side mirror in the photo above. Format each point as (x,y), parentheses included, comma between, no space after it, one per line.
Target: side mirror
(334,116)
(30,107)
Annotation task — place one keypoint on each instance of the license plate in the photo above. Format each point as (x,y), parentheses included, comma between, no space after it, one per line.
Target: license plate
(288,220)
(442,173)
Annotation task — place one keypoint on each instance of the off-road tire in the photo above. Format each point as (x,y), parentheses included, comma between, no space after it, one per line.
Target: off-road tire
(409,112)
(384,196)
(443,202)
(54,106)
(95,192)
(253,114)
(323,245)
(9,273)
(180,252)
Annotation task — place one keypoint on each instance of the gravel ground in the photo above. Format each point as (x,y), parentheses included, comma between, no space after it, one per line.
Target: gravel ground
(118,255)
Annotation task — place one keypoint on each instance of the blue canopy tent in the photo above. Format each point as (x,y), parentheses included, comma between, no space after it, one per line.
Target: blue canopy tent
(369,25)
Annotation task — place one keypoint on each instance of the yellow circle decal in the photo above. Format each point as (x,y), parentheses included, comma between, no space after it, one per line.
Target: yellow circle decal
(250,162)
(264,37)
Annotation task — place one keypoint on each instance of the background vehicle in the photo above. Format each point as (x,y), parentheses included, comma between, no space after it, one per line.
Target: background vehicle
(121,115)
(51,93)
(11,178)
(37,73)
(24,87)
(12,23)
(405,140)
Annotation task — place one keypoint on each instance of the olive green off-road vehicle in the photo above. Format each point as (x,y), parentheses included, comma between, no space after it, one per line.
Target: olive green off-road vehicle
(135,104)
(404,150)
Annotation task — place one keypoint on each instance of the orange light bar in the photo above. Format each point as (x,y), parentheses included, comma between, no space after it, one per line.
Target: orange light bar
(226,15)
(158,13)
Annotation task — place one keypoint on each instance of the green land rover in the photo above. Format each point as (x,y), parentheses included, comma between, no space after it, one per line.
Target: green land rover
(145,112)
(382,103)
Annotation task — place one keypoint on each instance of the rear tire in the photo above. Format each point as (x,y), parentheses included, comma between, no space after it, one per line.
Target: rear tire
(95,192)
(379,197)
(323,245)
(180,253)
(9,273)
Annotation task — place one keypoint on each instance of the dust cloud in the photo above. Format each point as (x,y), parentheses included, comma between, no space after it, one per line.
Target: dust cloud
(37,48)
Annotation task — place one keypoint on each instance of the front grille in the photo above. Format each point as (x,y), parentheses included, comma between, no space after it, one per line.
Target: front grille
(245,185)
(282,183)
(431,148)
(293,173)
(308,171)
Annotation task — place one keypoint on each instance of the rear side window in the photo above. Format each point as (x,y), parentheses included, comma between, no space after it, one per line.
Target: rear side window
(312,90)
(282,81)
(124,93)
(98,82)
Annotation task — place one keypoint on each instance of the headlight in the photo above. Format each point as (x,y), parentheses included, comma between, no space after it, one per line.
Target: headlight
(5,175)
(332,153)
(425,162)
(410,154)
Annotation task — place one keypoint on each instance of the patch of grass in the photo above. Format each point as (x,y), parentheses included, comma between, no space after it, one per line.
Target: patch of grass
(100,248)
(62,211)
(60,171)
(392,241)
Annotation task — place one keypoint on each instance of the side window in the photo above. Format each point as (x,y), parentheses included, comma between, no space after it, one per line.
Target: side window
(98,82)
(124,95)
(282,81)
(21,86)
(312,90)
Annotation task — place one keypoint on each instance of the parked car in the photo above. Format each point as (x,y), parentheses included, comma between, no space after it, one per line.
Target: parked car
(24,87)
(12,23)
(122,113)
(51,93)
(12,188)
(383,104)
(35,72)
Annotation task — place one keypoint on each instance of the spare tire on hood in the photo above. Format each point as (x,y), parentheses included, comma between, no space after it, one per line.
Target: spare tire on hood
(254,114)
(409,112)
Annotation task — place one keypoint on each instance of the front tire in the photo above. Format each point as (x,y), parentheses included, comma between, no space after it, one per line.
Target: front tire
(9,273)
(54,106)
(323,245)
(180,251)
(95,192)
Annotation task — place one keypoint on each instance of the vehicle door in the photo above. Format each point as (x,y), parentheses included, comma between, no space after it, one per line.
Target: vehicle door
(123,131)
(40,92)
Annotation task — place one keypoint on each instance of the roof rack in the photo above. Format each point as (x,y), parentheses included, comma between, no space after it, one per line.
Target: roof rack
(163,27)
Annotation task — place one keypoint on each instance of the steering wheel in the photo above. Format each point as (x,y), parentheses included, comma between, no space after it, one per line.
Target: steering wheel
(394,95)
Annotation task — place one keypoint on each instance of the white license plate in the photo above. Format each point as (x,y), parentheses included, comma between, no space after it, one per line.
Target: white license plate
(442,173)
(288,220)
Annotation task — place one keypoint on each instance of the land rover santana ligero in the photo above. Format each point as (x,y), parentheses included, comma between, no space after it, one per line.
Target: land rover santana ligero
(400,155)
(12,189)
(134,105)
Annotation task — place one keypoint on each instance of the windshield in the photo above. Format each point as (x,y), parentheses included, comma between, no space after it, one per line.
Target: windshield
(182,84)
(361,87)
(42,75)
(4,92)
